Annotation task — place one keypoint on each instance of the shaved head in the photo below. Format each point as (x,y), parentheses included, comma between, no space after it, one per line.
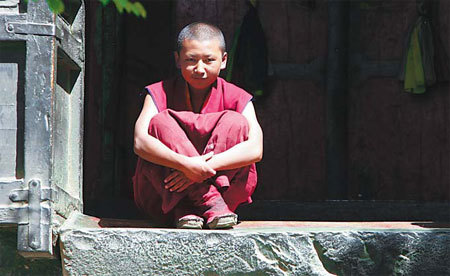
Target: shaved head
(201,31)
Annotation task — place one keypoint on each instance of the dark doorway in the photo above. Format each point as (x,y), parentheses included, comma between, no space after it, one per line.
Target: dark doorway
(394,146)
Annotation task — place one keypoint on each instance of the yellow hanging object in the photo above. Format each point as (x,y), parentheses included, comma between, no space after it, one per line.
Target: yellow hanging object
(253,2)
(414,71)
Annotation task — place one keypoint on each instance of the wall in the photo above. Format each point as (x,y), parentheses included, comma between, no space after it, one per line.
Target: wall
(292,115)
(398,143)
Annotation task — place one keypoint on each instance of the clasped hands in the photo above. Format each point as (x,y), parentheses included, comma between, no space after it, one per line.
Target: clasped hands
(195,170)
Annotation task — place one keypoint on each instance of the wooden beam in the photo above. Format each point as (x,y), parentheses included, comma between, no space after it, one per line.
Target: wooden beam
(336,99)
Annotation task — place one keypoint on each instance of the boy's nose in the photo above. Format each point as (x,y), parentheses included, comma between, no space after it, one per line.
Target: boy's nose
(200,67)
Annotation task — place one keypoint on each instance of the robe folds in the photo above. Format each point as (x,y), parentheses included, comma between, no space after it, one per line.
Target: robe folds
(218,127)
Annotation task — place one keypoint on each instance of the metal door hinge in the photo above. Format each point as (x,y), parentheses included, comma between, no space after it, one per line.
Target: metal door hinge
(34,219)
(27,28)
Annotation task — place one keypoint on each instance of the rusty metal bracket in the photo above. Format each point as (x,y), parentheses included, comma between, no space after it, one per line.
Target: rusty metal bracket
(34,218)
(28,28)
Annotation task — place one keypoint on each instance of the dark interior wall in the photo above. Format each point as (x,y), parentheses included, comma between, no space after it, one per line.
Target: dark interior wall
(292,115)
(93,94)
(444,31)
(126,53)
(148,58)
(398,143)
(123,54)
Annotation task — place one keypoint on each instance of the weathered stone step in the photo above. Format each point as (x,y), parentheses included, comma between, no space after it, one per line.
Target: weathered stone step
(256,248)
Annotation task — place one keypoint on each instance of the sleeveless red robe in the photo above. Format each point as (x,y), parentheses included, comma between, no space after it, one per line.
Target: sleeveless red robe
(192,134)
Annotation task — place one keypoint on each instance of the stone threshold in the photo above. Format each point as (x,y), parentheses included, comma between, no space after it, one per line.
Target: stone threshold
(255,248)
(296,225)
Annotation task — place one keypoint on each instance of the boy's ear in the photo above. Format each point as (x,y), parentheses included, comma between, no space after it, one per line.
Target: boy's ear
(177,59)
(224,61)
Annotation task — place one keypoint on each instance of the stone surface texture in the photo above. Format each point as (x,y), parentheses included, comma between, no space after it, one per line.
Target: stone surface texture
(177,252)
(255,251)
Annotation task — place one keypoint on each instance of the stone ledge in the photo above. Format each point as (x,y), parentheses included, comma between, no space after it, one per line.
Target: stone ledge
(256,248)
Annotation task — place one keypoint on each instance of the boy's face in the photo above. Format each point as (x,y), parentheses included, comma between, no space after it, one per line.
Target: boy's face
(200,62)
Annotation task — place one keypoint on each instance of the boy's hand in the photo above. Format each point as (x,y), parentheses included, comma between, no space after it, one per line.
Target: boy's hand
(196,170)
(177,182)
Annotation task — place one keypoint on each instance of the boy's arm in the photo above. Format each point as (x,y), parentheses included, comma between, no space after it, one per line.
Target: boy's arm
(240,155)
(151,149)
(245,153)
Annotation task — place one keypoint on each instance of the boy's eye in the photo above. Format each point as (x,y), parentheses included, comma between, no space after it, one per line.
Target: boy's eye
(189,60)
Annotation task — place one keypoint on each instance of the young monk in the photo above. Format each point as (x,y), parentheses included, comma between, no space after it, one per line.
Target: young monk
(197,138)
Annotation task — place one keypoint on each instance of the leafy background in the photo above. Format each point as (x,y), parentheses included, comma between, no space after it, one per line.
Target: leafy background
(136,8)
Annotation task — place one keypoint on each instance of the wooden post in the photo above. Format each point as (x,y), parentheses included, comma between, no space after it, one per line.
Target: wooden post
(336,101)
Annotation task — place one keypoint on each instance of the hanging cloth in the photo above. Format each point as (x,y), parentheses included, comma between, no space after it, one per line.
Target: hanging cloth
(247,60)
(414,75)
(419,69)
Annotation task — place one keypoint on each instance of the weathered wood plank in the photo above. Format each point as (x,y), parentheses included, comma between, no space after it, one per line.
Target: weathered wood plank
(8,118)
(8,215)
(7,153)
(8,89)
(337,100)
(399,143)
(293,164)
(346,210)
(292,115)
(9,6)
(6,186)
(8,210)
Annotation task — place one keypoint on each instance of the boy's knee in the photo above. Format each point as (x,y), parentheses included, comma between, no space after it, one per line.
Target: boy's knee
(159,122)
(234,121)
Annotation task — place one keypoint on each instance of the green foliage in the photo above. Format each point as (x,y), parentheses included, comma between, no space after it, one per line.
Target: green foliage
(130,7)
(56,6)
(136,8)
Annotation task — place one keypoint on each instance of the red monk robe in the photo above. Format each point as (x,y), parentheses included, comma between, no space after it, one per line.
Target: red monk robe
(218,127)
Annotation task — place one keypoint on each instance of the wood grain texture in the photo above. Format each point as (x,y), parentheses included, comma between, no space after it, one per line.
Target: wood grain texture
(398,142)
(8,118)
(292,115)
